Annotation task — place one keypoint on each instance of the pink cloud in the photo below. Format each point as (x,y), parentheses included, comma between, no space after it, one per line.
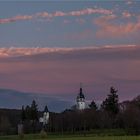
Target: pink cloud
(87,11)
(43,14)
(51,15)
(103,19)
(109,29)
(126,14)
(58,14)
(90,11)
(16,18)
(16,52)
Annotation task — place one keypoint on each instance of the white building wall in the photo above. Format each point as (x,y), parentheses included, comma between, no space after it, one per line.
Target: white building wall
(81,105)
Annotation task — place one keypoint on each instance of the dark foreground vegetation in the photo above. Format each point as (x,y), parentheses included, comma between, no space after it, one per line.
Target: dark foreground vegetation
(69,137)
(112,118)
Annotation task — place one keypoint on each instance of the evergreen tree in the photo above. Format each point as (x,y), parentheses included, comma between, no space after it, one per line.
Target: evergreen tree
(93,105)
(28,112)
(46,109)
(23,115)
(111,102)
(34,115)
(34,111)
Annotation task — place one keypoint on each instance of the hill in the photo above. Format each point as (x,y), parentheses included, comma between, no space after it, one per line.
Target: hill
(13,99)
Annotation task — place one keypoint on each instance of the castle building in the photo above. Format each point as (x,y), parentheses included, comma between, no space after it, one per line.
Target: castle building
(81,105)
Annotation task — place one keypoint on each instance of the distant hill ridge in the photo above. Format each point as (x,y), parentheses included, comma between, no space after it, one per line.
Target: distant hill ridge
(13,99)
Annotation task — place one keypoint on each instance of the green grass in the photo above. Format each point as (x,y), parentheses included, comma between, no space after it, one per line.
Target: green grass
(70,137)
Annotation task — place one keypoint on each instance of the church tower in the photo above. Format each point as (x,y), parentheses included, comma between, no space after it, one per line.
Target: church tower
(81,105)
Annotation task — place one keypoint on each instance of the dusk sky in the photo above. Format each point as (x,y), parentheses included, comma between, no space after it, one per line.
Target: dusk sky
(52,46)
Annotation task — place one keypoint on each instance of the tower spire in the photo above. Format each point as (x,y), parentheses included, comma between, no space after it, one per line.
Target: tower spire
(80,88)
(80,85)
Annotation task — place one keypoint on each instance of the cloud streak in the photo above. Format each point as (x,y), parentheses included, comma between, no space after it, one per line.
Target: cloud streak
(16,18)
(87,11)
(15,52)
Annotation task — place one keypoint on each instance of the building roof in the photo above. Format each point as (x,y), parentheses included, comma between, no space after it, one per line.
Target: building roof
(81,95)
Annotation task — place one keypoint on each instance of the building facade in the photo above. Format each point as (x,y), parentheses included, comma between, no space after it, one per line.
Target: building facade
(81,105)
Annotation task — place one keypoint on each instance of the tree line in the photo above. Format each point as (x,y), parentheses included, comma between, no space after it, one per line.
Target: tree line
(110,115)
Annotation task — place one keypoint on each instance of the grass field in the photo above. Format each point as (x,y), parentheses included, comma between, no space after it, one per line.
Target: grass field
(38,137)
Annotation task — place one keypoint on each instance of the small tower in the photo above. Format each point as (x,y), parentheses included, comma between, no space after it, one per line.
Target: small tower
(81,100)
(45,118)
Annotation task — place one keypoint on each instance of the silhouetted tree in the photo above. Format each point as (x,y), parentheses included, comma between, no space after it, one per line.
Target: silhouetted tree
(93,105)
(23,115)
(46,109)
(28,112)
(111,102)
(4,124)
(34,115)
(136,101)
(34,111)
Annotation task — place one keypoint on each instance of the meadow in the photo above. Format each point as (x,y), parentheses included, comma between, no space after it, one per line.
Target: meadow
(70,137)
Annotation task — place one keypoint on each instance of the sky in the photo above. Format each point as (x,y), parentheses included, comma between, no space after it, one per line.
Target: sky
(51,47)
